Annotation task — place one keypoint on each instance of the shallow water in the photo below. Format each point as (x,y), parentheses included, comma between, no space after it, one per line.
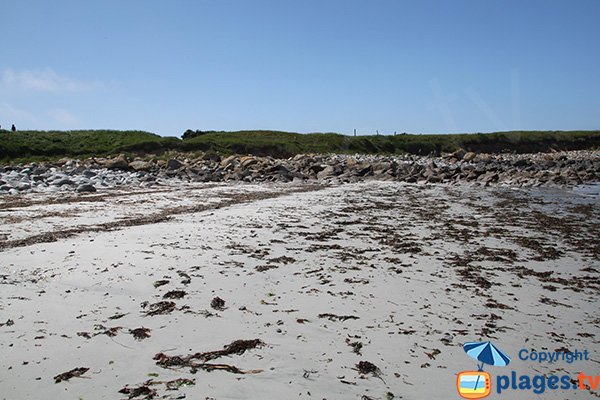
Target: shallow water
(591,191)
(581,194)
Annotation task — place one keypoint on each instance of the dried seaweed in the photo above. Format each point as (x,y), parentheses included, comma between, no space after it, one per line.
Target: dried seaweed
(74,373)
(186,278)
(110,332)
(366,367)
(145,392)
(177,383)
(174,294)
(356,346)
(333,317)
(236,347)
(162,216)
(142,390)
(140,333)
(263,268)
(283,260)
(218,304)
(433,353)
(160,283)
(101,330)
(161,307)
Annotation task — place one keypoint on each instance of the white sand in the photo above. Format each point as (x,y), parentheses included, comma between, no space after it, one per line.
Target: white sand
(352,255)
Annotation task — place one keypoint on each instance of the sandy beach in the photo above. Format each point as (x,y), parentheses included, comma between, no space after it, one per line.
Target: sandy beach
(278,291)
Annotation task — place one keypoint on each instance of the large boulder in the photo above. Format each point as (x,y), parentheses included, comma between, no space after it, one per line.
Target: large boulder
(470,156)
(316,168)
(140,165)
(63,181)
(21,186)
(248,161)
(488,177)
(174,164)
(483,157)
(228,161)
(211,156)
(329,171)
(88,173)
(39,171)
(365,169)
(459,154)
(117,163)
(85,188)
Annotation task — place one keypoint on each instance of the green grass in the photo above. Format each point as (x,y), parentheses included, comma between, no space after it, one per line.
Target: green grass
(42,145)
(52,144)
(282,144)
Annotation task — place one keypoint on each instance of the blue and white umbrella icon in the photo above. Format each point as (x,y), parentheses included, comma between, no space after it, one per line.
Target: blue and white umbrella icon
(487,353)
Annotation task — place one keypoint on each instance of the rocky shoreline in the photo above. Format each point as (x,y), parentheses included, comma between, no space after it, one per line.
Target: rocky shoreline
(92,174)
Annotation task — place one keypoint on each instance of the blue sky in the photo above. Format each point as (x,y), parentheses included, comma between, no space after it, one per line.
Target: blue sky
(302,65)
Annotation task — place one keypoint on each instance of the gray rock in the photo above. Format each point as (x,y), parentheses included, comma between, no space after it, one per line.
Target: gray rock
(86,188)
(469,156)
(21,186)
(330,170)
(77,170)
(246,162)
(366,170)
(211,157)
(520,163)
(228,161)
(141,165)
(174,164)
(39,171)
(117,163)
(488,177)
(382,166)
(316,168)
(64,181)
(459,154)
(430,173)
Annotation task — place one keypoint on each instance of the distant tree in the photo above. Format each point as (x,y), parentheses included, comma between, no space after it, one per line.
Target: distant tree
(188,134)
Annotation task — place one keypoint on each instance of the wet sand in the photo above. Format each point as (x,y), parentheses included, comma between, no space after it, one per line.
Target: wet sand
(325,277)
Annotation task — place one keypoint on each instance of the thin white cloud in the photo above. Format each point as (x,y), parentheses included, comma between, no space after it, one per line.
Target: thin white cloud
(443,103)
(46,81)
(63,117)
(485,108)
(13,112)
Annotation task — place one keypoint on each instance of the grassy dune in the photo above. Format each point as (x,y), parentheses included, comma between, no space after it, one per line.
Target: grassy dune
(36,145)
